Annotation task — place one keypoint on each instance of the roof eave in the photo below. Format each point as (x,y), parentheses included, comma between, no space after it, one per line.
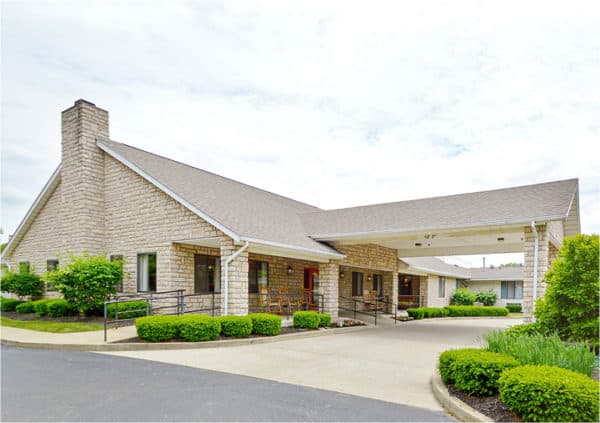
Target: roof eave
(311,251)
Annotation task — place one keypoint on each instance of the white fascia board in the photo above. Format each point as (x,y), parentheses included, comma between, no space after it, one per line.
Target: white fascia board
(308,251)
(50,184)
(440,273)
(448,228)
(166,190)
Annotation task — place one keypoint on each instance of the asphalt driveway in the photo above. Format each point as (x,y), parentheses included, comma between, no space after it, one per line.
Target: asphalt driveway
(392,363)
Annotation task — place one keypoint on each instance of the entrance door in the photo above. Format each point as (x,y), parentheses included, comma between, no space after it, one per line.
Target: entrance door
(311,282)
(405,283)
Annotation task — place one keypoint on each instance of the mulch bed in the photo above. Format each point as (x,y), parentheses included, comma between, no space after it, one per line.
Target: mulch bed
(490,406)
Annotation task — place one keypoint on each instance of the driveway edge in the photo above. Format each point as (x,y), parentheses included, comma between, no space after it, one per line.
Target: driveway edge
(142,346)
(456,407)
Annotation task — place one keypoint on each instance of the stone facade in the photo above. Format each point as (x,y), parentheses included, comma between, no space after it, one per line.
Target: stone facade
(238,278)
(328,287)
(543,262)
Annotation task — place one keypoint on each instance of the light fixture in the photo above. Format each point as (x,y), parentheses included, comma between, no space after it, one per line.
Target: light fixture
(342,274)
(501,239)
(289,270)
(369,278)
(418,244)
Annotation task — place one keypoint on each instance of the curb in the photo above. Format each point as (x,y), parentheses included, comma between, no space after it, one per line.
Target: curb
(456,407)
(141,346)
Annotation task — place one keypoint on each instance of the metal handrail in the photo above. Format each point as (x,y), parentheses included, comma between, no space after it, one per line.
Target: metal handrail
(376,301)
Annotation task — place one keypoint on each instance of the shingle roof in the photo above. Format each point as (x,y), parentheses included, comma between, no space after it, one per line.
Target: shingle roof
(546,201)
(496,273)
(248,211)
(436,266)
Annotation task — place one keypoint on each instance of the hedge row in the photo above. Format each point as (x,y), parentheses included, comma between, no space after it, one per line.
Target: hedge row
(311,319)
(127,310)
(474,371)
(48,307)
(456,311)
(195,328)
(514,308)
(9,304)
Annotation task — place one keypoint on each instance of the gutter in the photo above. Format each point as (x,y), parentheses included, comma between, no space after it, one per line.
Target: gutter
(535,266)
(226,284)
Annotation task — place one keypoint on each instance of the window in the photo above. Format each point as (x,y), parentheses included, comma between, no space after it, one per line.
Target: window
(357,284)
(258,276)
(441,287)
(378,285)
(51,265)
(117,257)
(207,274)
(146,272)
(460,283)
(24,267)
(511,290)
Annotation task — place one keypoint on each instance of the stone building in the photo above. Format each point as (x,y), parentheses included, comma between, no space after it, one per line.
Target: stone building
(179,227)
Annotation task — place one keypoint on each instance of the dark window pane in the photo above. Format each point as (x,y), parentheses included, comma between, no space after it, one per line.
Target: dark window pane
(378,285)
(51,265)
(146,272)
(357,284)
(207,273)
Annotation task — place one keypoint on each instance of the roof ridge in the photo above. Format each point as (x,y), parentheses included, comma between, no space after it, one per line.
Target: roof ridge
(444,196)
(217,175)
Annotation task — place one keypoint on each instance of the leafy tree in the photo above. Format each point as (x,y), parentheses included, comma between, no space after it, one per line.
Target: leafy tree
(3,246)
(488,298)
(22,284)
(87,281)
(570,305)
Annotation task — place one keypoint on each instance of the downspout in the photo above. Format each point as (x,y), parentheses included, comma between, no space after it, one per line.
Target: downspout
(226,287)
(535,267)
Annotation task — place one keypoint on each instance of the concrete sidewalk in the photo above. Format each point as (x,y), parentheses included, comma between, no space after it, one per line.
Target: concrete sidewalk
(78,338)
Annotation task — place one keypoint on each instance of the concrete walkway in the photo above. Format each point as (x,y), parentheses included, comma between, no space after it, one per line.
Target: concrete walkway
(390,362)
(78,338)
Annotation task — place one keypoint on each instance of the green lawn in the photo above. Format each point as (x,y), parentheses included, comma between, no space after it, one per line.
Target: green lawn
(55,327)
(515,314)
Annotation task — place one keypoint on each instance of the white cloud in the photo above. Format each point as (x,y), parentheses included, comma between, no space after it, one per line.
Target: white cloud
(335,104)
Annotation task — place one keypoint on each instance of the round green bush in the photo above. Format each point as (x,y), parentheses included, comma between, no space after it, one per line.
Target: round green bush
(196,328)
(528,329)
(236,326)
(127,310)
(59,308)
(9,304)
(157,328)
(324,320)
(25,307)
(477,373)
(487,298)
(265,324)
(446,361)
(41,307)
(416,313)
(463,296)
(23,284)
(549,394)
(306,319)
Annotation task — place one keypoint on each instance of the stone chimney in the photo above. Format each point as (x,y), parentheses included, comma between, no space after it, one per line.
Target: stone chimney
(82,177)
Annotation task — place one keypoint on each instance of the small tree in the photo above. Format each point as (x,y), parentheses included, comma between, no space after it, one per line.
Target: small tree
(463,296)
(22,284)
(488,298)
(570,305)
(87,281)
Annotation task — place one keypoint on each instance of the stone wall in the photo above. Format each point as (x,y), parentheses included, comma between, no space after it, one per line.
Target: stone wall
(528,271)
(238,279)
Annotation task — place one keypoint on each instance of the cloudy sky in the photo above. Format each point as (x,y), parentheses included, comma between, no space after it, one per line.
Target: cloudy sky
(333,103)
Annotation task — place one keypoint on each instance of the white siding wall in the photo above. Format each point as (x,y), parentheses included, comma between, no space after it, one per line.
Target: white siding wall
(477,286)
(433,300)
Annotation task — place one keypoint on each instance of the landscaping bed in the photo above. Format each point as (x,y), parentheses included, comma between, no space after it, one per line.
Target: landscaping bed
(490,406)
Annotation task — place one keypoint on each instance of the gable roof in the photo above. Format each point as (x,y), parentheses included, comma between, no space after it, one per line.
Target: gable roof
(497,273)
(435,266)
(518,205)
(241,211)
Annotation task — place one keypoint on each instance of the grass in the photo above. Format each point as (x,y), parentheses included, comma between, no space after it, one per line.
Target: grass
(54,327)
(542,350)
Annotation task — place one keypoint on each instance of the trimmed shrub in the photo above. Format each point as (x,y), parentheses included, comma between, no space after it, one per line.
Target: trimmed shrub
(41,307)
(324,320)
(487,298)
(570,305)
(306,319)
(195,328)
(514,308)
(127,310)
(58,308)
(416,313)
(9,304)
(463,296)
(429,312)
(446,361)
(265,324)
(236,326)
(542,350)
(25,307)
(477,372)
(157,328)
(23,284)
(459,311)
(549,394)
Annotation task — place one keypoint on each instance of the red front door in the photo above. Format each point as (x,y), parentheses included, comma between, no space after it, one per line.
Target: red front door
(311,278)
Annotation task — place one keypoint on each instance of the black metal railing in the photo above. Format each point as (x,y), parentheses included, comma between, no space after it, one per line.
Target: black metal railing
(174,302)
(369,307)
